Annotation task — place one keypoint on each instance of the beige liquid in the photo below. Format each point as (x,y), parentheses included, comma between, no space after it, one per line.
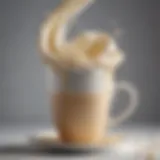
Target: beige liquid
(80,118)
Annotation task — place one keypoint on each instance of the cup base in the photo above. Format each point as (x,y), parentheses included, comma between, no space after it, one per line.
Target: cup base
(51,140)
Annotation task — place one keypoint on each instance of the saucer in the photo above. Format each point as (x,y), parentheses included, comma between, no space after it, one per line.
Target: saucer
(50,140)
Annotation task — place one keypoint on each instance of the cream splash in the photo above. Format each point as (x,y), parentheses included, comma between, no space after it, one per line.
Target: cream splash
(87,50)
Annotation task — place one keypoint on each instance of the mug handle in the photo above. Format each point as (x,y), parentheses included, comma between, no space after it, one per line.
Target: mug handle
(133,94)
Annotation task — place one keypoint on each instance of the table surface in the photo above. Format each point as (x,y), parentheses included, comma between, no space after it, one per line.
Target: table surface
(18,134)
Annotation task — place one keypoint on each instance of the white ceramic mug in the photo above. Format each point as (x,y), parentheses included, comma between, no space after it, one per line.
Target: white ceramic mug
(82,102)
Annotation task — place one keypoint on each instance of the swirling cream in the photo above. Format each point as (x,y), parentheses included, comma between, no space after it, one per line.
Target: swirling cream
(87,50)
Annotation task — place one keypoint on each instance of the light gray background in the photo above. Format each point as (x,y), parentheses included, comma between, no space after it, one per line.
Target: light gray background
(23,96)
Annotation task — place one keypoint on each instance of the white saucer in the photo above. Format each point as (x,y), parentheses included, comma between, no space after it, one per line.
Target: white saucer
(50,140)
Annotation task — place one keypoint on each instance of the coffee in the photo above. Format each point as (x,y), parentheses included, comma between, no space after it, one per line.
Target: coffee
(80,107)
(86,67)
(81,118)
